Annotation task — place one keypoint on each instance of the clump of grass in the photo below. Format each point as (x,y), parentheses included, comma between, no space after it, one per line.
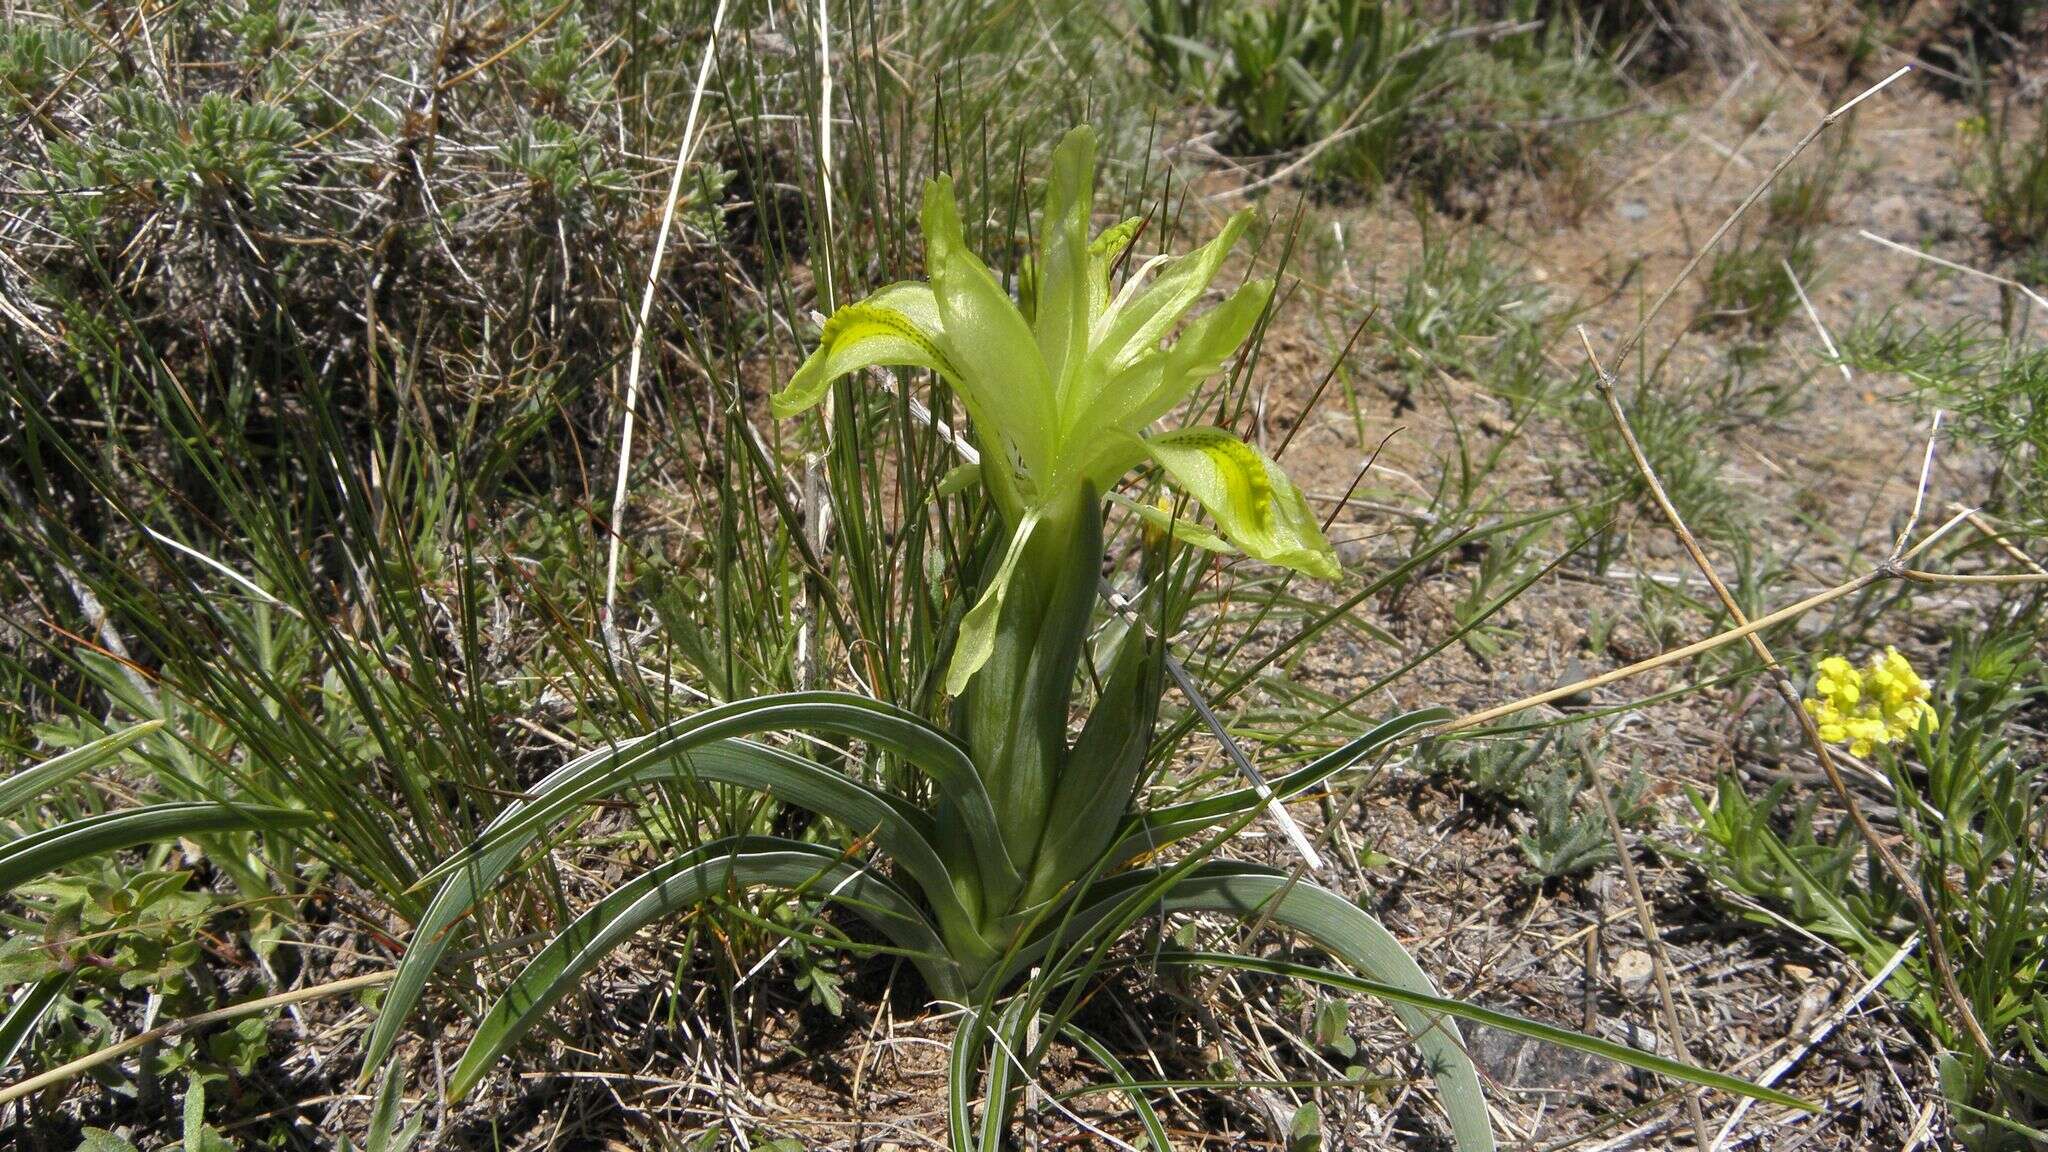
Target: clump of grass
(1305,71)
(1363,91)
(1467,309)
(2008,171)
(1539,101)
(1751,281)
(1667,425)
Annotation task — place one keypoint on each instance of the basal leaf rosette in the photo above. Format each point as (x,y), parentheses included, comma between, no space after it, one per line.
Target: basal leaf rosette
(1063,400)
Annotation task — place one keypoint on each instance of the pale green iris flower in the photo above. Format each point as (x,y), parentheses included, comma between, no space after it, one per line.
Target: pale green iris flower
(1064,401)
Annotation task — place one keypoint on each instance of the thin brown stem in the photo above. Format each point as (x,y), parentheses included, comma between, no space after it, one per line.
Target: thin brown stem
(1660,965)
(63,1072)
(1992,534)
(1789,612)
(1920,577)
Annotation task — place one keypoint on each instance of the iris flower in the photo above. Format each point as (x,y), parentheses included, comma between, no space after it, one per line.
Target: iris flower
(1063,401)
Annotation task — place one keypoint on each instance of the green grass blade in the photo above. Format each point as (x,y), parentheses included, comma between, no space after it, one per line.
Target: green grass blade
(23,787)
(890,728)
(964,1061)
(386,1133)
(1492,1018)
(1163,826)
(1007,1045)
(681,884)
(30,1005)
(43,852)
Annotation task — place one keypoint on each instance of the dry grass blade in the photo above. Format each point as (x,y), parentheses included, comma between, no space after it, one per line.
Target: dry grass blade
(668,217)
(2040,301)
(162,1032)
(1660,962)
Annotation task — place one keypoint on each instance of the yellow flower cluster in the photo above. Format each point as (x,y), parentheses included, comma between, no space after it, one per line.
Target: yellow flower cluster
(1881,704)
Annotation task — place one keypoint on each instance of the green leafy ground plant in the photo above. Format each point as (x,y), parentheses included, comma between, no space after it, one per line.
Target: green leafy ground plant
(1007,889)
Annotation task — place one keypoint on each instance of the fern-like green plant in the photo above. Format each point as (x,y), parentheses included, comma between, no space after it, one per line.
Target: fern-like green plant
(188,156)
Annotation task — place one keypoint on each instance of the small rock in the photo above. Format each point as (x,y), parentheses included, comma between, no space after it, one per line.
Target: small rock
(1799,972)
(1633,968)
(1633,210)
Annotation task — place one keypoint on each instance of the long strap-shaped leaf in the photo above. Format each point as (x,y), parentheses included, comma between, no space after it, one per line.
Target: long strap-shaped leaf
(1505,1021)
(1339,926)
(1007,1043)
(962,1069)
(923,746)
(1150,831)
(682,883)
(1154,1130)
(899,829)
(1162,826)
(896,826)
(26,1011)
(29,783)
(1347,932)
(46,851)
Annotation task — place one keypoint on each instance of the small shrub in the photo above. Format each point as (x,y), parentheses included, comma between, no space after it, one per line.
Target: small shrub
(220,149)
(35,61)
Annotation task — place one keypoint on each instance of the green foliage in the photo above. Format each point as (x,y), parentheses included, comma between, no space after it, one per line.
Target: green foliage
(1971,809)
(1494,771)
(1377,90)
(1996,389)
(35,60)
(1294,73)
(1564,839)
(388,1129)
(1750,281)
(566,72)
(1539,101)
(2009,173)
(266,28)
(1668,426)
(220,148)
(1502,571)
(563,166)
(1564,830)
(98,936)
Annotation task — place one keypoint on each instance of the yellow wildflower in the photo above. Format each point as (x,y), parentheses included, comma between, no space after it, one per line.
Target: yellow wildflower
(1863,708)
(1839,682)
